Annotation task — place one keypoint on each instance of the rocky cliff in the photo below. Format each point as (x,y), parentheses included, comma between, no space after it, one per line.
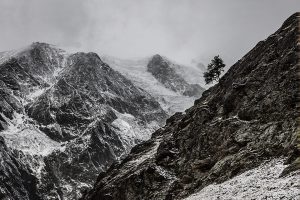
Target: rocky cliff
(245,123)
(16,179)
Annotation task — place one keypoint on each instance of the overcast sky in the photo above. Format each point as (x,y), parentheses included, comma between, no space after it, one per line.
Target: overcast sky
(179,29)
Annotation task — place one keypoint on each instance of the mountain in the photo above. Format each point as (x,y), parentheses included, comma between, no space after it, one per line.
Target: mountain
(174,86)
(66,117)
(161,69)
(238,141)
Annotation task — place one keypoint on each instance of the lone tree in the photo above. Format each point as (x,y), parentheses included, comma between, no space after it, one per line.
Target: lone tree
(214,70)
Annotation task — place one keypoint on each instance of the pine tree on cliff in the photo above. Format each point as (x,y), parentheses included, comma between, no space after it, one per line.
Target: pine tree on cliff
(214,70)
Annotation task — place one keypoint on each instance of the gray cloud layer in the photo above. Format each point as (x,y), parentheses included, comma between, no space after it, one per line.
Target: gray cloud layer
(179,29)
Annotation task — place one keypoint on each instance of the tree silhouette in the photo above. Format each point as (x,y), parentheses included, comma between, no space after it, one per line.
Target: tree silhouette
(214,70)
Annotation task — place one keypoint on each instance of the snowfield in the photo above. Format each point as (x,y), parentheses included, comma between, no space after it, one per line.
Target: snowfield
(261,183)
(170,101)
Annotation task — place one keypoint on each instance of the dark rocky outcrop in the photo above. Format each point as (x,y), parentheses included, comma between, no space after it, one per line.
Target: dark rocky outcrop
(16,180)
(244,120)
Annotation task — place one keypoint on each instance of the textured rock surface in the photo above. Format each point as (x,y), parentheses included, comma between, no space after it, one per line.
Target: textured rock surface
(16,180)
(246,119)
(86,90)
(24,72)
(263,182)
(68,117)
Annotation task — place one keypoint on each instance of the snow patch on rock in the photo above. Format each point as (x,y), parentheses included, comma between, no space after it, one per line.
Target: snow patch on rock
(21,135)
(263,182)
(130,129)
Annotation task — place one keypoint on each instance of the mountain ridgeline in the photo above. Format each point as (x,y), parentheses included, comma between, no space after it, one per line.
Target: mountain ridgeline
(63,119)
(246,120)
(173,85)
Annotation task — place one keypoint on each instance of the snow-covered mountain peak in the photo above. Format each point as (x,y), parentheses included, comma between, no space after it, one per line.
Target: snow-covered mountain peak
(59,109)
(137,71)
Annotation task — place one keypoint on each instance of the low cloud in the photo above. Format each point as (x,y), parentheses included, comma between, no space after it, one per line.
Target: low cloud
(181,30)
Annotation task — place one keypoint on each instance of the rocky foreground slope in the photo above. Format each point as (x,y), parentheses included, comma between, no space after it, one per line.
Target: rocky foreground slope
(63,119)
(245,123)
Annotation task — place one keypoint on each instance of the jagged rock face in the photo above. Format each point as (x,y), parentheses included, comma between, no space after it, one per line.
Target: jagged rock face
(164,73)
(16,180)
(42,61)
(85,102)
(68,117)
(10,84)
(247,118)
(24,72)
(86,90)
